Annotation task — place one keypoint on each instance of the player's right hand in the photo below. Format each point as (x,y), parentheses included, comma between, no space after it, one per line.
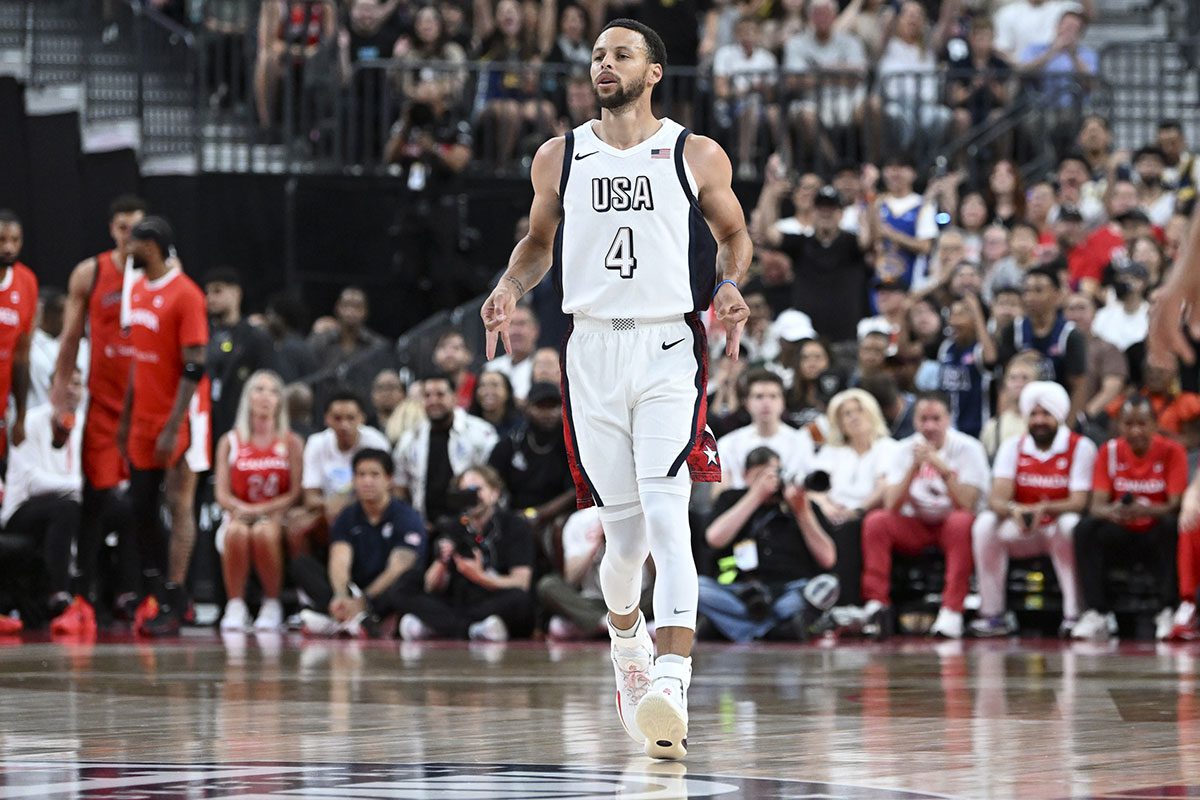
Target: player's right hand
(732,312)
(497,313)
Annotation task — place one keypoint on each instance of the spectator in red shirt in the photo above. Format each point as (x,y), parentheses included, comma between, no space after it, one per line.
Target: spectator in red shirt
(1108,241)
(452,356)
(1136,491)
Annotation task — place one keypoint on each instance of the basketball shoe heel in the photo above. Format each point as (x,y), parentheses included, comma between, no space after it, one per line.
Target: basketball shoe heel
(662,715)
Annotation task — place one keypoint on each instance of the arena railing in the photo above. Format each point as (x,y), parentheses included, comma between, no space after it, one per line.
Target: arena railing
(332,117)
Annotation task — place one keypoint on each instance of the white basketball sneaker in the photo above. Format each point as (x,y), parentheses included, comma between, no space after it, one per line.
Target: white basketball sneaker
(662,715)
(632,657)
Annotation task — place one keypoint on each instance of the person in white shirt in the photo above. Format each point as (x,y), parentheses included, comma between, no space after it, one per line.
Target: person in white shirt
(1040,486)
(855,460)
(448,442)
(1023,23)
(764,402)
(517,364)
(1126,318)
(833,98)
(908,83)
(44,346)
(328,472)
(935,481)
(44,489)
(744,78)
(574,597)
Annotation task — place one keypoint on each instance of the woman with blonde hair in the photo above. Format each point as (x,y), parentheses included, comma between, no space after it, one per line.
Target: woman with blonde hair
(855,459)
(258,468)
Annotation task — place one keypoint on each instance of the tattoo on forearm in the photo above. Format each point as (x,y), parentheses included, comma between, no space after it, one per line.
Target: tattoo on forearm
(520,286)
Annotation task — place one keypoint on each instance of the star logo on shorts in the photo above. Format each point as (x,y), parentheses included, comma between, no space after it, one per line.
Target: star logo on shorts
(712,454)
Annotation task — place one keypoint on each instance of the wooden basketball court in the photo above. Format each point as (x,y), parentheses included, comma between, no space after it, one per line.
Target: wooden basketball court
(276,717)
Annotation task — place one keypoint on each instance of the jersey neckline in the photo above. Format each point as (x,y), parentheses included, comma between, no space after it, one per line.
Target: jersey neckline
(637,148)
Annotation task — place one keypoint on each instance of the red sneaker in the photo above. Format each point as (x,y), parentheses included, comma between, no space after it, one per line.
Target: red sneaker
(78,618)
(146,611)
(10,626)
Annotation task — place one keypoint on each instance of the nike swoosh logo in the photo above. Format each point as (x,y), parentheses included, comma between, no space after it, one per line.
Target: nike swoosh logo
(582,156)
(666,346)
(630,606)
(677,611)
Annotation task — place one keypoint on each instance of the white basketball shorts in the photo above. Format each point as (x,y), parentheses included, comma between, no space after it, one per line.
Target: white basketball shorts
(635,405)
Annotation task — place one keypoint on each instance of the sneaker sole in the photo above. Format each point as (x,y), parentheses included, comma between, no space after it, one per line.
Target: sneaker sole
(664,729)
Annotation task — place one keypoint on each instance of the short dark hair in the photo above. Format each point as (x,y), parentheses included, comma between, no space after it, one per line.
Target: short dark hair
(447,334)
(440,376)
(344,394)
(1149,150)
(227,275)
(759,456)
(9,217)
(1023,223)
(381,457)
(1045,271)
(764,376)
(1137,402)
(882,386)
(1005,288)
(933,396)
(1170,125)
(126,204)
(656,50)
(50,295)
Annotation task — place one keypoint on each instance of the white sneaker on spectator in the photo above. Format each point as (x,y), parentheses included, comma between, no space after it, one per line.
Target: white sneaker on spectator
(632,658)
(662,714)
(270,616)
(413,630)
(563,630)
(948,625)
(236,617)
(314,623)
(1092,626)
(491,629)
(1164,623)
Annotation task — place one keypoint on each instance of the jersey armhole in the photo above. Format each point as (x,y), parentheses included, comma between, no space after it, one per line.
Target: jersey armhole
(686,179)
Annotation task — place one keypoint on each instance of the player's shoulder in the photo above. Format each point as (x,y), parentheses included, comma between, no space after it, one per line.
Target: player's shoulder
(547,166)
(23,274)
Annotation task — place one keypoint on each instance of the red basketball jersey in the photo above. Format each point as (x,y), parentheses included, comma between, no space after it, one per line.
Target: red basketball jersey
(18,305)
(1153,478)
(112,351)
(1048,480)
(258,474)
(165,316)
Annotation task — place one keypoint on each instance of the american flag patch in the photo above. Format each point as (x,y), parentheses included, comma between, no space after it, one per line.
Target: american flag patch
(660,152)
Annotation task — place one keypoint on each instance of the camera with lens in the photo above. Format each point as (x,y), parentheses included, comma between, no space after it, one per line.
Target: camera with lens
(453,526)
(756,597)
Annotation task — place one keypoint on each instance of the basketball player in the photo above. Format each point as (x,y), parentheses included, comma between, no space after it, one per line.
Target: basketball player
(94,293)
(1176,305)
(163,428)
(18,305)
(627,209)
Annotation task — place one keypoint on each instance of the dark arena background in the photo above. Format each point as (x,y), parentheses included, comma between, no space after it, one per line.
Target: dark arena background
(953,554)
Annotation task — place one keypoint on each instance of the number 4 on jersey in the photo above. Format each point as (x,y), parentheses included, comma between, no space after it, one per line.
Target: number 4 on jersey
(620,254)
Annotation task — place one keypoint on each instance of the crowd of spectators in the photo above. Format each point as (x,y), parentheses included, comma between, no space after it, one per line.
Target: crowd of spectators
(435,84)
(960,370)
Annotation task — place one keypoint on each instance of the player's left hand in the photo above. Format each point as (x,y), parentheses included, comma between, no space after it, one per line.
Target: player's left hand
(496,313)
(17,435)
(733,312)
(164,445)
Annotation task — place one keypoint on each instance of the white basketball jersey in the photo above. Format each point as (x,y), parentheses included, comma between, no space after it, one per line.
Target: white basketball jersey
(632,242)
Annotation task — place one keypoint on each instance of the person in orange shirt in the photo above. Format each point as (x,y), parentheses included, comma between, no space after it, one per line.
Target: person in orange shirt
(163,430)
(94,293)
(18,306)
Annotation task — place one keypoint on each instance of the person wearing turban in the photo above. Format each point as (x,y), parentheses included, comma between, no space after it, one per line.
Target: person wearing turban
(1040,485)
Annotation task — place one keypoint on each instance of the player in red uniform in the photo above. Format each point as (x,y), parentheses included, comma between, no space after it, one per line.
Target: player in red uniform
(94,294)
(1139,482)
(164,421)
(1040,485)
(18,305)
(258,466)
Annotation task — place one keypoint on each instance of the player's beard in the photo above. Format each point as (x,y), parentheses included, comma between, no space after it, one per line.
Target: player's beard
(7,261)
(1043,435)
(624,95)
